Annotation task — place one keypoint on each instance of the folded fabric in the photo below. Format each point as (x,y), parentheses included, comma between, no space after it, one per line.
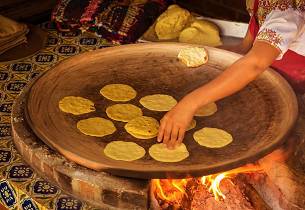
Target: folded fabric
(77,14)
(12,33)
(12,44)
(126,21)
(120,21)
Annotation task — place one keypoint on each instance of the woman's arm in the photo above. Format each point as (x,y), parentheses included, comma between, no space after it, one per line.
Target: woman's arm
(237,76)
(243,47)
(233,79)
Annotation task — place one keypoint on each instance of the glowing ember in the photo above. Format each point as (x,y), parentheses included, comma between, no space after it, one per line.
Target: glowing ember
(173,190)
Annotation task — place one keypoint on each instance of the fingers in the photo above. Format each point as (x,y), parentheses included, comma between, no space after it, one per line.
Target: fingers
(170,133)
(167,133)
(173,138)
(180,136)
(161,131)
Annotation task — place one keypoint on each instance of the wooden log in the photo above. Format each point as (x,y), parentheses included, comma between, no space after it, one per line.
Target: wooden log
(235,198)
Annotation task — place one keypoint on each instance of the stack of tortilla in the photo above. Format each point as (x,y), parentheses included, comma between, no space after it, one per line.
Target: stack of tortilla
(12,34)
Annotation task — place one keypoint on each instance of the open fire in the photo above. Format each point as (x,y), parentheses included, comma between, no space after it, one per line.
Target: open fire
(174,193)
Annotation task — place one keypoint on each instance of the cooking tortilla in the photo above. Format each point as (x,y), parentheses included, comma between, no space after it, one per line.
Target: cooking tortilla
(122,150)
(212,137)
(192,125)
(96,126)
(143,127)
(118,92)
(123,112)
(76,105)
(206,110)
(158,102)
(161,153)
(193,56)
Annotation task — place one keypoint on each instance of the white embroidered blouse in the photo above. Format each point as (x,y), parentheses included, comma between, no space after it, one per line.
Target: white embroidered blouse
(282,24)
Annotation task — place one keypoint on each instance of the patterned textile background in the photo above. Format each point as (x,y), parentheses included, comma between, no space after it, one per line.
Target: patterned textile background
(20,186)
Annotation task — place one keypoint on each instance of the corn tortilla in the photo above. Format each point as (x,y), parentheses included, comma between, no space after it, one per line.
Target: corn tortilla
(122,150)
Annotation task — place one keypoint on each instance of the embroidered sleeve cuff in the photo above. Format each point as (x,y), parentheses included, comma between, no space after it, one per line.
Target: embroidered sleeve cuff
(270,36)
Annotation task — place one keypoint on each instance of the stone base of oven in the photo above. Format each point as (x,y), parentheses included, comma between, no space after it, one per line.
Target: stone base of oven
(98,188)
(283,184)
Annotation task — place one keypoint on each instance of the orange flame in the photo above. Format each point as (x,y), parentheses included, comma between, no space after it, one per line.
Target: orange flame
(172,190)
(212,182)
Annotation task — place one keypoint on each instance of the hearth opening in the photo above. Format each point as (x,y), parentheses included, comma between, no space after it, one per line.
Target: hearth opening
(249,187)
(206,192)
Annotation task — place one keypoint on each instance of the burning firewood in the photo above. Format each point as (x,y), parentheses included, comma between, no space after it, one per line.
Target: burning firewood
(235,199)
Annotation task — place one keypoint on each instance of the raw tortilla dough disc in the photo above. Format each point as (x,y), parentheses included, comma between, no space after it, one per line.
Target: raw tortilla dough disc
(158,102)
(123,112)
(118,92)
(76,105)
(206,110)
(212,137)
(193,56)
(192,125)
(96,126)
(122,150)
(143,127)
(160,153)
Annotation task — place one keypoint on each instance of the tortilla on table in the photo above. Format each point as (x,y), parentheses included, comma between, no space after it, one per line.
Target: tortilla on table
(206,110)
(122,150)
(158,102)
(161,153)
(193,56)
(123,112)
(76,105)
(212,137)
(192,125)
(118,92)
(143,127)
(96,126)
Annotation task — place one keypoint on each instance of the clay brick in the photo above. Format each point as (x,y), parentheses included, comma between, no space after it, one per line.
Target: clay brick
(36,163)
(86,190)
(110,197)
(64,181)
(137,200)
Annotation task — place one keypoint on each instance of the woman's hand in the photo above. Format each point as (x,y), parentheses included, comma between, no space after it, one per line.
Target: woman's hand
(233,79)
(175,122)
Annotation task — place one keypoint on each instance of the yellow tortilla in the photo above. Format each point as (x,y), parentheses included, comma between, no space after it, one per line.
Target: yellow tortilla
(143,127)
(206,110)
(161,153)
(201,32)
(171,22)
(96,126)
(212,137)
(192,125)
(76,105)
(193,56)
(123,112)
(118,92)
(122,150)
(158,102)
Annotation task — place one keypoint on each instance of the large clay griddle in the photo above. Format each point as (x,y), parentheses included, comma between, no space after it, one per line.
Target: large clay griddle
(258,117)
